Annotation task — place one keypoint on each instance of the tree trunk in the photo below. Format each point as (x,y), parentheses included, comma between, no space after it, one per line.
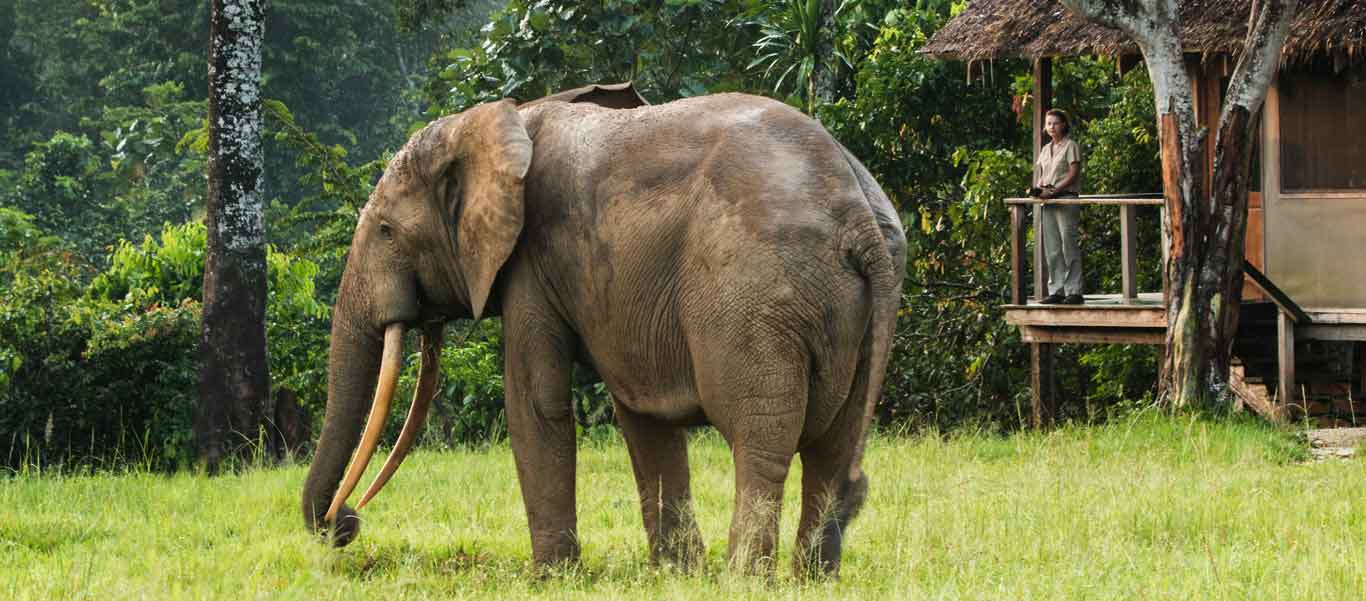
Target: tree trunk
(234,399)
(1203,272)
(825,69)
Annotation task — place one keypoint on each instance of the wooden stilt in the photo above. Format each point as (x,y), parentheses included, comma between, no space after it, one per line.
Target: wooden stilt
(1285,337)
(1043,401)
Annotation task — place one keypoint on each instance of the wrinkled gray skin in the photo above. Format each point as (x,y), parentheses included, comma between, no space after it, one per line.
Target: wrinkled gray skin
(718,259)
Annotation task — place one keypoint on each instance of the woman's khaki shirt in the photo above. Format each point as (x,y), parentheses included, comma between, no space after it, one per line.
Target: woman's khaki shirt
(1054,159)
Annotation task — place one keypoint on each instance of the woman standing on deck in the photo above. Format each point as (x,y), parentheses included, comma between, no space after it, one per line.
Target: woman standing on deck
(1057,174)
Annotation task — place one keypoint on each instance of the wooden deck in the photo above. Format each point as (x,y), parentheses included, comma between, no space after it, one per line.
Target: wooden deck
(1334,324)
(1105,318)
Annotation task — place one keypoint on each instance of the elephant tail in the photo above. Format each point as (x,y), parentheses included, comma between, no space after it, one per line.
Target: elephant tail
(878,251)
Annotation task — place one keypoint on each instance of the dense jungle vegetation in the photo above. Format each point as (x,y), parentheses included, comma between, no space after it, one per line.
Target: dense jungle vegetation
(102,162)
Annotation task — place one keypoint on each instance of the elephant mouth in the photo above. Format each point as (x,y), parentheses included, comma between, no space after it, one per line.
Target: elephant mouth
(391,366)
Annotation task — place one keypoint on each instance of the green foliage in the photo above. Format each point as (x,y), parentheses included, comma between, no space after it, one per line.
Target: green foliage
(468,406)
(790,48)
(36,273)
(116,72)
(925,134)
(135,178)
(57,187)
(534,48)
(910,113)
(320,224)
(159,271)
(110,372)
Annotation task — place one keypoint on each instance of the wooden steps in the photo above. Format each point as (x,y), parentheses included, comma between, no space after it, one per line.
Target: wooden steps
(1327,373)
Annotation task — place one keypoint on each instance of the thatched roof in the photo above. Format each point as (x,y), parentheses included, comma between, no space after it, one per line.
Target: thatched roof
(989,29)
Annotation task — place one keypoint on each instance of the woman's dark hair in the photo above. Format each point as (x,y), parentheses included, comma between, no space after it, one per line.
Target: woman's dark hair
(1061,115)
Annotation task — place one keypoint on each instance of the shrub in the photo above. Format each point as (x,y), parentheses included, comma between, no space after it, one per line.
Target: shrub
(109,374)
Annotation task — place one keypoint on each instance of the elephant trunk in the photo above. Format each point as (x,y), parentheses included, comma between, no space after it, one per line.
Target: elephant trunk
(354,368)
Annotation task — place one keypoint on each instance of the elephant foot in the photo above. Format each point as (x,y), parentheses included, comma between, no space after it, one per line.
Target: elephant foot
(551,555)
(682,549)
(820,560)
(819,556)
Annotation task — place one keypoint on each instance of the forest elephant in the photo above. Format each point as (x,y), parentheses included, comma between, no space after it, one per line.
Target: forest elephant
(717,260)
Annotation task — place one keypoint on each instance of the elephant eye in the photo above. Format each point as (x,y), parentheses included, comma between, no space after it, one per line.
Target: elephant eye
(386,231)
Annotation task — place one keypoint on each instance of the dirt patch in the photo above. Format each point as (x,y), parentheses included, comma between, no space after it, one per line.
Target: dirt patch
(1334,443)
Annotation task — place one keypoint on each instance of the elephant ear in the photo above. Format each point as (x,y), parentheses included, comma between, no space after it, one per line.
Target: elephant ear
(493,154)
(612,96)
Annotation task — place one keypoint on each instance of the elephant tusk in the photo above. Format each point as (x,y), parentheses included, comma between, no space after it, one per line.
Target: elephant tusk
(417,413)
(390,366)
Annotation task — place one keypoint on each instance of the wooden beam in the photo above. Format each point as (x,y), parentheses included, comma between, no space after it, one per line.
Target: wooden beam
(1117,316)
(1145,301)
(1092,199)
(1338,332)
(1285,356)
(1017,250)
(1128,251)
(1337,316)
(1091,335)
(1043,401)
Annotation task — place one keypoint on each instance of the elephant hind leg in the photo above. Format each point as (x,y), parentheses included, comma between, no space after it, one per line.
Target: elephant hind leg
(752,372)
(834,487)
(659,457)
(767,409)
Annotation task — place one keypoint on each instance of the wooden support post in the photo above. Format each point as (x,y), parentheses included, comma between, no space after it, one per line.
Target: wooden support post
(1128,252)
(1166,241)
(1043,97)
(1285,337)
(1043,405)
(1040,262)
(1017,250)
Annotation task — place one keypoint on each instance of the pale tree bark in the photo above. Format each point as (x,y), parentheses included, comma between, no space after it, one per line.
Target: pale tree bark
(1204,269)
(825,69)
(235,381)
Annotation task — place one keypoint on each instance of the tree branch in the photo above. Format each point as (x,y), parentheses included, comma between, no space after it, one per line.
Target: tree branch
(1268,27)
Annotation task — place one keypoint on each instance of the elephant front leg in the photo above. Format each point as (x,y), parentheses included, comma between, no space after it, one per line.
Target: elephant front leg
(659,457)
(541,426)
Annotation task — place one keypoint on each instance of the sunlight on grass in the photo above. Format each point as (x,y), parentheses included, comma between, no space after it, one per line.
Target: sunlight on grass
(1145,508)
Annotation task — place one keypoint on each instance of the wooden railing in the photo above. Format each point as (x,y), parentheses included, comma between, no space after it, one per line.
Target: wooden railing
(1127,204)
(1288,315)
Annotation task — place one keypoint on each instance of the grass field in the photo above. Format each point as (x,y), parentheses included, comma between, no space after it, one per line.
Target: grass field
(1150,507)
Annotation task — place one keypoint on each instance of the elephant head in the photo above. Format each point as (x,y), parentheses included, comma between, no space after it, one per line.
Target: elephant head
(442,220)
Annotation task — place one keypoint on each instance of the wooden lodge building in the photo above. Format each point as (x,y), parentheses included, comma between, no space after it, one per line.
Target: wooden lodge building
(1301,346)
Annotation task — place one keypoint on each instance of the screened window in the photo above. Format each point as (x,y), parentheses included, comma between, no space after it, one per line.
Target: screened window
(1323,127)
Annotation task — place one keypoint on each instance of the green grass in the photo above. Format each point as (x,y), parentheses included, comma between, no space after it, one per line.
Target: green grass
(1146,508)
